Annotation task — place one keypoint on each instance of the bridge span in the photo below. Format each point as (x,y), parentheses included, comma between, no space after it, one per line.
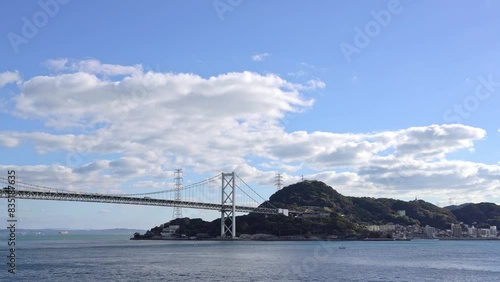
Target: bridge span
(227,205)
(111,199)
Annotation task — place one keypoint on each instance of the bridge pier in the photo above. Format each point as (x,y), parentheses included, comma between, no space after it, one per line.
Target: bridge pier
(228,210)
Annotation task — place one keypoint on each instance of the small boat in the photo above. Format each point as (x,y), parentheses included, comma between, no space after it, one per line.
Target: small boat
(342,247)
(63,232)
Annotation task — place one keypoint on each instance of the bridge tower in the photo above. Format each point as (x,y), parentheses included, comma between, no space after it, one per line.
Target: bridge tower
(228,211)
(178,188)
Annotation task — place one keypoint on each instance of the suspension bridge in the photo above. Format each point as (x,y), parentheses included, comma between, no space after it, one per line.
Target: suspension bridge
(221,192)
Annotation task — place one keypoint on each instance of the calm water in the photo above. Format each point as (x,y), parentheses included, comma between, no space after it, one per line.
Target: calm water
(115,258)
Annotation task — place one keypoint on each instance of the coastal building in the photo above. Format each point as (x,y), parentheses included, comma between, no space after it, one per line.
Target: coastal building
(313,208)
(430,232)
(472,231)
(456,230)
(441,233)
(402,213)
(373,228)
(314,214)
(493,231)
(387,227)
(169,231)
(484,232)
(283,212)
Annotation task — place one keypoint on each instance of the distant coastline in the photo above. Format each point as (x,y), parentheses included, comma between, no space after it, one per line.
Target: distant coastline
(273,239)
(470,239)
(314,239)
(67,231)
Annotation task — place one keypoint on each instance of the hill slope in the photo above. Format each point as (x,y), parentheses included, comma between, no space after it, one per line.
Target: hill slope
(483,214)
(361,210)
(340,215)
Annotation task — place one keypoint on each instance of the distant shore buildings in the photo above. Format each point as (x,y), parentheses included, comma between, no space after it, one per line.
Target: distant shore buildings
(456,231)
(461,230)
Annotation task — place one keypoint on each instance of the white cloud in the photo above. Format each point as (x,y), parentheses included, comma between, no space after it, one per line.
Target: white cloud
(57,176)
(57,64)
(436,141)
(201,119)
(78,98)
(8,77)
(281,166)
(6,140)
(297,73)
(153,122)
(260,57)
(92,66)
(315,84)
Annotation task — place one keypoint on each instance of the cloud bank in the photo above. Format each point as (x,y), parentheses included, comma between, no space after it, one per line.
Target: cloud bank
(119,123)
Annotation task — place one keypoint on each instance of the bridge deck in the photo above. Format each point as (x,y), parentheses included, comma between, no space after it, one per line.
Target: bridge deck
(113,199)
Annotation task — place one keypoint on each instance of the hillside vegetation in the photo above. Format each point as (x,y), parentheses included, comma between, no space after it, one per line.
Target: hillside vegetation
(483,214)
(362,210)
(340,215)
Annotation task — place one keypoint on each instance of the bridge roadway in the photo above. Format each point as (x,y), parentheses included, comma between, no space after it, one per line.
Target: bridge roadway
(113,199)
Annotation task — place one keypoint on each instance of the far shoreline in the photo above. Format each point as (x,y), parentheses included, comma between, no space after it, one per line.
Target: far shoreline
(314,239)
(271,239)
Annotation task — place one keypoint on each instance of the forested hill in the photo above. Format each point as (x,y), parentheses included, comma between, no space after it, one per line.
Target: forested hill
(328,212)
(483,214)
(362,210)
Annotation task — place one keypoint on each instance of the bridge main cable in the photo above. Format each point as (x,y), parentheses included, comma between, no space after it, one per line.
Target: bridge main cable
(45,188)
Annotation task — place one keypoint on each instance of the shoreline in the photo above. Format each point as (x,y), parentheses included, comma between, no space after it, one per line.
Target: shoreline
(275,239)
(469,239)
(315,239)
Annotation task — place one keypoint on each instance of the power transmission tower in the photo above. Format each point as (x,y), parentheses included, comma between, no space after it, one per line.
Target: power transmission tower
(278,182)
(178,187)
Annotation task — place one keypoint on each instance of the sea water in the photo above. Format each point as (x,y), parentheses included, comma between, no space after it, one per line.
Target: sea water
(116,258)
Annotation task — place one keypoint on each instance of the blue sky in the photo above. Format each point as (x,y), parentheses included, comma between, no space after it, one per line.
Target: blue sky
(258,87)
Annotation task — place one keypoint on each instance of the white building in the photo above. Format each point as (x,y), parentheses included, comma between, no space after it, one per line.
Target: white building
(472,231)
(373,228)
(430,231)
(493,231)
(387,227)
(484,232)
